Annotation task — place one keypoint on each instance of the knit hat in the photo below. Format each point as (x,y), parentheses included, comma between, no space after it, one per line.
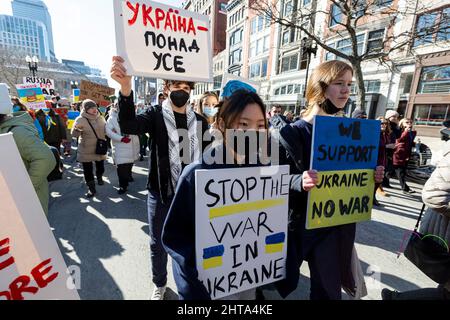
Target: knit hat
(391,113)
(359,114)
(5,100)
(235,85)
(88,104)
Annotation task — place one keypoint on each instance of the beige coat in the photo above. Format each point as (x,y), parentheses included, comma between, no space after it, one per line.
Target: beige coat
(88,141)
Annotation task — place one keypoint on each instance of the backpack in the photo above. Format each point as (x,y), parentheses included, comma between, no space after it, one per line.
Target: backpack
(290,140)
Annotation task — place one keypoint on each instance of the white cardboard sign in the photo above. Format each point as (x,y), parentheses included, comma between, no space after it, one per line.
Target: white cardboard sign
(31,265)
(241,227)
(164,42)
(47,84)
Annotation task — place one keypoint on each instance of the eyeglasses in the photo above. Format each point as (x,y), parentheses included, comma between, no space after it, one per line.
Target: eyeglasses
(384,123)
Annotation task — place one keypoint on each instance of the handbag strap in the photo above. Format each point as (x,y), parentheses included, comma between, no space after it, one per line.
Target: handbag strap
(92,128)
(420,218)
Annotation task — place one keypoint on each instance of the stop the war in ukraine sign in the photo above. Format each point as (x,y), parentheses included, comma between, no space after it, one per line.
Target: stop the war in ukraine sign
(241,227)
(345,154)
(159,41)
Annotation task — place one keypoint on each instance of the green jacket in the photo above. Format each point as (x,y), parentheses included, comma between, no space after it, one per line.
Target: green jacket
(36,155)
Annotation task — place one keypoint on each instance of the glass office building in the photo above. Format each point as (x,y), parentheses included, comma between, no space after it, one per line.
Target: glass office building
(29,36)
(36,10)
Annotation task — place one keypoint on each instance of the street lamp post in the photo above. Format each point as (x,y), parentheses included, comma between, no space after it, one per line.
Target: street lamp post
(32,64)
(74,84)
(309,48)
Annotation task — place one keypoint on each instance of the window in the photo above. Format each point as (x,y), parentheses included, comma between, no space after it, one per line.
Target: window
(383,3)
(236,37)
(444,28)
(306,2)
(285,38)
(255,70)
(259,23)
(345,46)
(372,86)
(288,8)
(359,6)
(375,42)
(431,115)
(423,28)
(336,15)
(435,79)
(258,69)
(235,56)
(289,63)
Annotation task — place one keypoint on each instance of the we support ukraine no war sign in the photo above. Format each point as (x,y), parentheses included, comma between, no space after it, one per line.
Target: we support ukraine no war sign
(159,41)
(241,227)
(345,154)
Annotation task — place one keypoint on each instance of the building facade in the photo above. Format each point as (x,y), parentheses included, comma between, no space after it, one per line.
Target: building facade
(36,10)
(25,35)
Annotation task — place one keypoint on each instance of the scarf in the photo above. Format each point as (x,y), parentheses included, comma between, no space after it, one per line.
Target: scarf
(174,140)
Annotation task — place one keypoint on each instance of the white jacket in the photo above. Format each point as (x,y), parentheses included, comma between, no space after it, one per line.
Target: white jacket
(121,152)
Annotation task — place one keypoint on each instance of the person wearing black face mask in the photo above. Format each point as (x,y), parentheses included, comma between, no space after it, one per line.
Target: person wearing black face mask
(329,251)
(168,156)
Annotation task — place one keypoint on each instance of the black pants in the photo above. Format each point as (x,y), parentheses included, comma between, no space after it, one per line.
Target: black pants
(157,213)
(143,140)
(401,175)
(88,170)
(124,174)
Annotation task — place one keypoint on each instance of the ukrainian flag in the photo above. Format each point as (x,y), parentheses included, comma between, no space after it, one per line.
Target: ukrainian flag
(71,116)
(274,242)
(76,95)
(213,257)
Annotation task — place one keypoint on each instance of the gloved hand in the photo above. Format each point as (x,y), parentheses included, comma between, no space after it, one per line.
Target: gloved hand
(125,140)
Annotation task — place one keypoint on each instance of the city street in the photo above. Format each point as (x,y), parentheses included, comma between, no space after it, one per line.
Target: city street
(107,238)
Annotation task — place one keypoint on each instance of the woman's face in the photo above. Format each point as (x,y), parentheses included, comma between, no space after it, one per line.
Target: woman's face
(92,111)
(210,102)
(252,118)
(338,92)
(384,124)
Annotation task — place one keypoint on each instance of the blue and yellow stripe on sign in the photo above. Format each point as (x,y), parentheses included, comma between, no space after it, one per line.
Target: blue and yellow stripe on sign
(274,242)
(213,257)
(31,95)
(71,116)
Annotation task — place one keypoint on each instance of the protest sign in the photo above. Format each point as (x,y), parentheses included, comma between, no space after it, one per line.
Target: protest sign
(227,77)
(71,116)
(97,92)
(31,95)
(345,153)
(31,265)
(164,42)
(241,227)
(76,95)
(47,85)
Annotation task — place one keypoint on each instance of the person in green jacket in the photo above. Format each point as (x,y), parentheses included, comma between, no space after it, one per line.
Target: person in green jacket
(36,155)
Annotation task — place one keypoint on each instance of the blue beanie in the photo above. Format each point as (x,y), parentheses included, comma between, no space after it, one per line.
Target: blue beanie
(235,85)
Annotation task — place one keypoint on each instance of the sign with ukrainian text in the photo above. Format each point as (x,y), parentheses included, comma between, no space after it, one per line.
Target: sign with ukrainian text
(345,154)
(31,264)
(31,95)
(241,227)
(163,42)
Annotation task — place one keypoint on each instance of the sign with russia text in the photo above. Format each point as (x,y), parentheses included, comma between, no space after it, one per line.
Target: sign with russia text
(31,95)
(47,85)
(159,41)
(241,227)
(31,264)
(345,154)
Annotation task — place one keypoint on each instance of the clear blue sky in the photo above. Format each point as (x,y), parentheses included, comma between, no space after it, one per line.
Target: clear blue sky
(83,30)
